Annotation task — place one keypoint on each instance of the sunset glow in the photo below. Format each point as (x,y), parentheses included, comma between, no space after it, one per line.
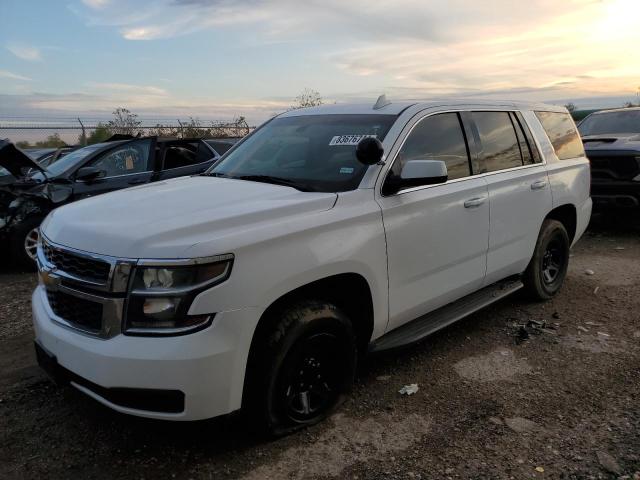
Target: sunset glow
(251,57)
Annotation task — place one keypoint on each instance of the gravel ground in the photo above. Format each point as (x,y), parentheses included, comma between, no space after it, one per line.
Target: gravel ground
(492,403)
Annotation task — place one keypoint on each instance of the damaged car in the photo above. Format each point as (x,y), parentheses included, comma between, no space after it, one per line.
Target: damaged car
(43,156)
(612,143)
(120,163)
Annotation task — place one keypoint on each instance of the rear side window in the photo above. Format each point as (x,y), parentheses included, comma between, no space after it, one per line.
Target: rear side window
(179,155)
(525,151)
(500,148)
(438,137)
(531,143)
(562,133)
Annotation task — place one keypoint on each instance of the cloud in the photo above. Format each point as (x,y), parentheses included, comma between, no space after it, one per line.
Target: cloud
(97,4)
(410,48)
(101,104)
(128,88)
(13,76)
(580,50)
(25,52)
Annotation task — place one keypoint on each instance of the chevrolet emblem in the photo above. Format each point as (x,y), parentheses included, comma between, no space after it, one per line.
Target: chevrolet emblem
(49,279)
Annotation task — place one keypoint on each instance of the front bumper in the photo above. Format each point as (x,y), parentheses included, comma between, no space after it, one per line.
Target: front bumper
(618,194)
(207,367)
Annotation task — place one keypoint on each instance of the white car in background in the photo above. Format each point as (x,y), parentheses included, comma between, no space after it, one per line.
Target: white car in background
(326,233)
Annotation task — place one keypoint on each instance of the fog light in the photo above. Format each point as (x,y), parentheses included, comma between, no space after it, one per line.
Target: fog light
(160,308)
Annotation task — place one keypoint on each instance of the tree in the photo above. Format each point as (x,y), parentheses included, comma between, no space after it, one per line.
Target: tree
(22,144)
(629,105)
(571,107)
(308,98)
(52,141)
(124,122)
(100,134)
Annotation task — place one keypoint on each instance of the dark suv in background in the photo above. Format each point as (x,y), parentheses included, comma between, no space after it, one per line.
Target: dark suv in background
(612,142)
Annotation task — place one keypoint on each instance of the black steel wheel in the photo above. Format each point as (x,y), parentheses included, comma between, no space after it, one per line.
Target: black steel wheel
(548,267)
(310,380)
(300,372)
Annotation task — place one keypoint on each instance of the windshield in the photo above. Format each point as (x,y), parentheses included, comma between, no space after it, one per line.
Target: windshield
(611,122)
(35,154)
(71,159)
(310,152)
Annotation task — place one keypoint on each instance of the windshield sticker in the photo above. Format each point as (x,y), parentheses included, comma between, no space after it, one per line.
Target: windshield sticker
(346,170)
(348,139)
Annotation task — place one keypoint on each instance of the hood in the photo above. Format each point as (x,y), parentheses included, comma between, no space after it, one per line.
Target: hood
(15,160)
(623,141)
(165,219)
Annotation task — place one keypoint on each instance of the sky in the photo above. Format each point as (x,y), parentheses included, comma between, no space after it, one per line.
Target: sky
(217,59)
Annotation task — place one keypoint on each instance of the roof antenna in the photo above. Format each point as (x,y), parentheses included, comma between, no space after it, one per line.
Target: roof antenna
(381,102)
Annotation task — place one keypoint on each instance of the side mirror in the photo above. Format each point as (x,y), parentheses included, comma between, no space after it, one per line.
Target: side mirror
(369,151)
(88,174)
(416,173)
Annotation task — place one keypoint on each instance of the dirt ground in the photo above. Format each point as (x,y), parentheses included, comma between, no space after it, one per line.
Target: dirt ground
(562,403)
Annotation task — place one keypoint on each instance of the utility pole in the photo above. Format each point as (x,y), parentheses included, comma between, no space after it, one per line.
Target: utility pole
(181,129)
(83,140)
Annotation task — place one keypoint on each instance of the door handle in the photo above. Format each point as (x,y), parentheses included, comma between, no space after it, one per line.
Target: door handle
(538,185)
(474,202)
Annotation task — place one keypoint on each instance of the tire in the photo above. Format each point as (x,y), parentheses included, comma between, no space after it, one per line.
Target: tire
(547,270)
(301,368)
(26,233)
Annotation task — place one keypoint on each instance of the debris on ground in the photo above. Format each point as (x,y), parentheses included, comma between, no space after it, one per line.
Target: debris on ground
(540,469)
(522,335)
(582,329)
(593,324)
(383,378)
(535,327)
(604,334)
(556,315)
(595,290)
(496,421)
(607,462)
(522,425)
(588,271)
(409,389)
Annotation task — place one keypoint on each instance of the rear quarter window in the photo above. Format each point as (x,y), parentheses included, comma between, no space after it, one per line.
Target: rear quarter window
(562,133)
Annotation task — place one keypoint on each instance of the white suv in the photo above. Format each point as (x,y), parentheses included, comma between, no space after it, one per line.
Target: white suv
(327,233)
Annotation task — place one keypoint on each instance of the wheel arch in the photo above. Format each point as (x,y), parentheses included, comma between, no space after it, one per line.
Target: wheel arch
(348,291)
(566,214)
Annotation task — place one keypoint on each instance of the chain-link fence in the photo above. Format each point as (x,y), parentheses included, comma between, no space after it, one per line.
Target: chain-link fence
(55,132)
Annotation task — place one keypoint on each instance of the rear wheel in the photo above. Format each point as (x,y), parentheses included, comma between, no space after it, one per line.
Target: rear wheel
(24,243)
(548,267)
(302,369)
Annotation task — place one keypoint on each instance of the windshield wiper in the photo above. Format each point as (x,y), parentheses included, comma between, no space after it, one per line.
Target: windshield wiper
(214,174)
(276,181)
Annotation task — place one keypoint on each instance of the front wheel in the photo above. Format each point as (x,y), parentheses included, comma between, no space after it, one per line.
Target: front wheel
(300,371)
(24,243)
(548,267)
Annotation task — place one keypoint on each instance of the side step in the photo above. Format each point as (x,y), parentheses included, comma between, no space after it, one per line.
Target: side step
(433,321)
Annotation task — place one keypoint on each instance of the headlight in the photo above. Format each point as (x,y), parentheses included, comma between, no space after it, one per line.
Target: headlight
(161,295)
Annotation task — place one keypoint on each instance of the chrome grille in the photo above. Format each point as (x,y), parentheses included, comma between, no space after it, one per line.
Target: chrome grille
(84,291)
(79,312)
(76,265)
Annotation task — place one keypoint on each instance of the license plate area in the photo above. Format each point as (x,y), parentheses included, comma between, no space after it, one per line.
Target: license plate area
(48,363)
